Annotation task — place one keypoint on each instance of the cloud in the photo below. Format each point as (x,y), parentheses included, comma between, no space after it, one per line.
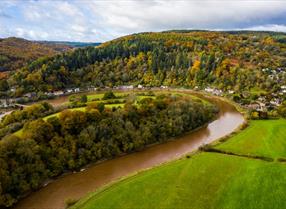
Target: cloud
(97,20)
(157,15)
(4,15)
(271,27)
(35,35)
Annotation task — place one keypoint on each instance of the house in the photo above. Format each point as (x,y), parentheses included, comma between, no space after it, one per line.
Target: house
(13,89)
(259,106)
(3,103)
(230,91)
(58,93)
(265,69)
(217,92)
(49,94)
(140,86)
(164,87)
(69,91)
(262,99)
(76,90)
(125,87)
(275,102)
(209,90)
(30,95)
(91,88)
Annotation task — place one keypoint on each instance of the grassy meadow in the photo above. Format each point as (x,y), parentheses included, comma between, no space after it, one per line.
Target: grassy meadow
(262,137)
(209,180)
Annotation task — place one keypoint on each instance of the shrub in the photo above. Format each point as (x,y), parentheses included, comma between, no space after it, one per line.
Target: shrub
(70,202)
(109,95)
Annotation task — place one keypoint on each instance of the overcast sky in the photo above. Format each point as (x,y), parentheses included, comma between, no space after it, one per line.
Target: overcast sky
(102,20)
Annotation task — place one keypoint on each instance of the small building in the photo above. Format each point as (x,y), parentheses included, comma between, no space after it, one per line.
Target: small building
(140,86)
(164,87)
(13,89)
(125,87)
(30,95)
(275,102)
(49,94)
(209,90)
(69,91)
(91,88)
(58,93)
(258,106)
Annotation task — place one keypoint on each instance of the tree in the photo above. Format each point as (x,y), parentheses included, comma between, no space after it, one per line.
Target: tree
(72,121)
(38,130)
(4,86)
(109,95)
(83,98)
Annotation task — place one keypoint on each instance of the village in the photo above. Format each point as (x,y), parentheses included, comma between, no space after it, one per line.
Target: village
(261,104)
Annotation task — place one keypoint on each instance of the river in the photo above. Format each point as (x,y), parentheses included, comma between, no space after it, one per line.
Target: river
(77,185)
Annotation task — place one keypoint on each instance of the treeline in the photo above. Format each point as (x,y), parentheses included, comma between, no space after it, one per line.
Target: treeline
(14,121)
(224,60)
(76,138)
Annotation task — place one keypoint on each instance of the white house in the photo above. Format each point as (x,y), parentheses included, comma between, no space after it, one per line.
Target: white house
(126,87)
(69,90)
(164,87)
(209,90)
(58,93)
(140,86)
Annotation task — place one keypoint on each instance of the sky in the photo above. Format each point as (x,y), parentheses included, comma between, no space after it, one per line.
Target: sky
(103,20)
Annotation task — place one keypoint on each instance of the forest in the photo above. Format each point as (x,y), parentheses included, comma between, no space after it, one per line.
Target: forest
(16,53)
(238,61)
(72,139)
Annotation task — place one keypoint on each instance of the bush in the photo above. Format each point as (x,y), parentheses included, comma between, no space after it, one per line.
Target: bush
(83,98)
(70,202)
(109,95)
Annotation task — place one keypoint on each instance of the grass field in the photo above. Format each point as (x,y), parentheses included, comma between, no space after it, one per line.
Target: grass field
(208,180)
(91,97)
(262,137)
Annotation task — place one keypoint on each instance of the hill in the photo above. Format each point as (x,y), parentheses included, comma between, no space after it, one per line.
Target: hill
(16,52)
(225,60)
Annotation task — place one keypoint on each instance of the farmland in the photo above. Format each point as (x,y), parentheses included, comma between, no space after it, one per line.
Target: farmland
(207,179)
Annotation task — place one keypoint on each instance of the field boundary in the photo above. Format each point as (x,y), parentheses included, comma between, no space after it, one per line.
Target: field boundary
(256,157)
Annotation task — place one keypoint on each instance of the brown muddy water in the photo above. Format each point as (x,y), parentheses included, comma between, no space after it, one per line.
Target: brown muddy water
(77,185)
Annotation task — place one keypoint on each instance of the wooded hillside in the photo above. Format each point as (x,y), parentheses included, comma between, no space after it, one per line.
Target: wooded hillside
(16,53)
(226,60)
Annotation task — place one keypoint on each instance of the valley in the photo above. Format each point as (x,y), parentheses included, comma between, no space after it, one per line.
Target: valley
(172,119)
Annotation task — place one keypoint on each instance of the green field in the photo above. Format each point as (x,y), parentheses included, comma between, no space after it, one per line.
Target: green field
(262,137)
(209,180)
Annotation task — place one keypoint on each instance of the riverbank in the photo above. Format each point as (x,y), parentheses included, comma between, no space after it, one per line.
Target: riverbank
(230,178)
(78,184)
